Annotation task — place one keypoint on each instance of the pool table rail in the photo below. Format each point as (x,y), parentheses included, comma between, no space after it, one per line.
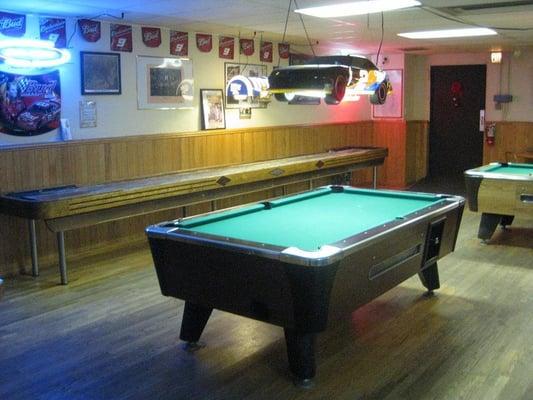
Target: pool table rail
(328,253)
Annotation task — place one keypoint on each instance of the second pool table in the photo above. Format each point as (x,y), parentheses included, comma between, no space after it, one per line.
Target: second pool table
(500,191)
(302,260)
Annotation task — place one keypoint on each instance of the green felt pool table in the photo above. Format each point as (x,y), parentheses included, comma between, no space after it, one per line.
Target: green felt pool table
(302,260)
(500,191)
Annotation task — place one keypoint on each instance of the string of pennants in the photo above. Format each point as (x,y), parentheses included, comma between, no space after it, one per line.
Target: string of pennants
(121,37)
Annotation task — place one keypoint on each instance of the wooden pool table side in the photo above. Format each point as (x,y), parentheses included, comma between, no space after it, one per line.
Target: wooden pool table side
(499,197)
(72,207)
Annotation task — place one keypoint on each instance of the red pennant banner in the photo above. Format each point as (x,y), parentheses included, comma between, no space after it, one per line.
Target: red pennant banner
(265,52)
(283,50)
(226,47)
(247,46)
(204,42)
(179,43)
(90,30)
(53,29)
(121,38)
(151,36)
(12,24)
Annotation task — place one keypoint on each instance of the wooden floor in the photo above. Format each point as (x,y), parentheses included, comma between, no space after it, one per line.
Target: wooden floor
(110,334)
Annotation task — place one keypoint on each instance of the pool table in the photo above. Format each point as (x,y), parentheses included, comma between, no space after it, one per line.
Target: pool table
(302,260)
(500,191)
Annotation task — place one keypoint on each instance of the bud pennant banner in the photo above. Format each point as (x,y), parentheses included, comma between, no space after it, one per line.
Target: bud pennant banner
(12,24)
(90,30)
(265,52)
(121,38)
(247,46)
(226,47)
(151,36)
(179,43)
(53,29)
(283,50)
(204,42)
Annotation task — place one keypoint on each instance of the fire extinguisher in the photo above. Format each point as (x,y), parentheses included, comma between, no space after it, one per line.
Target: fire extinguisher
(491,134)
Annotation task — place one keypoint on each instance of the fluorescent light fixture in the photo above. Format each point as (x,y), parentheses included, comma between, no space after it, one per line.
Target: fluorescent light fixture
(449,33)
(357,8)
(29,53)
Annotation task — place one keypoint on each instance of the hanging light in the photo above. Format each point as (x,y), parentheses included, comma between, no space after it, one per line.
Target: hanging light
(30,53)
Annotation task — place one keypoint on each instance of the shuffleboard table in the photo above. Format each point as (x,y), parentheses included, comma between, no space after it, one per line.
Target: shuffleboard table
(302,260)
(500,191)
(71,207)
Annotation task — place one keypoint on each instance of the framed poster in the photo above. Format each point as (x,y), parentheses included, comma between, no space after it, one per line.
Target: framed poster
(393,106)
(164,83)
(249,70)
(100,73)
(30,105)
(212,102)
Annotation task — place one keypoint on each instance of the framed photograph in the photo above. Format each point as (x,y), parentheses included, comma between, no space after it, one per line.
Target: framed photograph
(393,107)
(212,102)
(164,83)
(100,73)
(232,69)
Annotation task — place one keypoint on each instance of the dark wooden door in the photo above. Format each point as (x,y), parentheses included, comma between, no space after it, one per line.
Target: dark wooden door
(455,141)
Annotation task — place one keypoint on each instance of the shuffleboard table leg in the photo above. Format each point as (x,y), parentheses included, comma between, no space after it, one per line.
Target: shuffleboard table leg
(301,354)
(430,278)
(195,318)
(375,177)
(62,257)
(33,248)
(488,225)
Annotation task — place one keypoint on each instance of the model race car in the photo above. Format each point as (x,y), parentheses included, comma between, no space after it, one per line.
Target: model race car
(331,78)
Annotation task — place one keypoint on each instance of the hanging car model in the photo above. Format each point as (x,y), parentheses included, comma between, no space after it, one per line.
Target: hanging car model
(331,78)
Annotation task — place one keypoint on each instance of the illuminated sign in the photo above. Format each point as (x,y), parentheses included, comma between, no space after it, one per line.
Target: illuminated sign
(29,53)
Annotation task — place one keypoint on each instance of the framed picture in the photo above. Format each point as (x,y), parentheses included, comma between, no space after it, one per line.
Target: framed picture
(164,83)
(393,107)
(212,102)
(100,73)
(232,69)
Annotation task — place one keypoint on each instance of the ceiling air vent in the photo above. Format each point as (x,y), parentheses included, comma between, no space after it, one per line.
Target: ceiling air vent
(489,7)
(499,4)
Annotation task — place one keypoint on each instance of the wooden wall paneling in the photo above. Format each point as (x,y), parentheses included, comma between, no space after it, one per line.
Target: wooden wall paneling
(111,159)
(511,138)
(392,134)
(223,149)
(416,151)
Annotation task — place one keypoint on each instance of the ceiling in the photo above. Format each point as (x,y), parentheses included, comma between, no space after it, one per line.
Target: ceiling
(266,18)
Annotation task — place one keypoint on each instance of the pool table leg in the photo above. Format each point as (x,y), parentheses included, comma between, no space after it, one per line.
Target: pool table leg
(430,277)
(195,318)
(301,354)
(506,220)
(488,225)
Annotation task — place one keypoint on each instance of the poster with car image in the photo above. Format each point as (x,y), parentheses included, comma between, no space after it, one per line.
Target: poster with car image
(30,105)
